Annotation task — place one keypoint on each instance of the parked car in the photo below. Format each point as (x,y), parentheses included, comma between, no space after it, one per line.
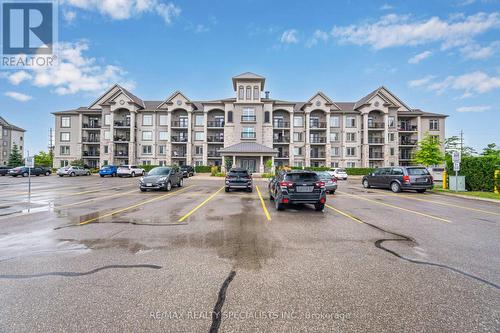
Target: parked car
(130,171)
(187,171)
(239,178)
(25,171)
(161,178)
(4,170)
(108,170)
(329,180)
(72,171)
(400,178)
(338,173)
(297,187)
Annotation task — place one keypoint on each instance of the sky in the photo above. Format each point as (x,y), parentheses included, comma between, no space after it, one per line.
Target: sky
(438,56)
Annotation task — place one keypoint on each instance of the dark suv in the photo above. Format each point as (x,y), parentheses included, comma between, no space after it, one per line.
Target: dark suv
(297,187)
(187,171)
(161,178)
(400,178)
(239,178)
(4,170)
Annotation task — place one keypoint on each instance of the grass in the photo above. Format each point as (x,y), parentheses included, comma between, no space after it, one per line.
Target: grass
(477,194)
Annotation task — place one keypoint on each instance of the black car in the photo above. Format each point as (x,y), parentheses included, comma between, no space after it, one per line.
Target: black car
(25,171)
(161,178)
(297,187)
(187,171)
(4,170)
(239,178)
(400,178)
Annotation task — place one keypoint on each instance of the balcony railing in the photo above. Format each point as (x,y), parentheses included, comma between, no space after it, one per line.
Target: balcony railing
(215,139)
(217,123)
(178,154)
(121,138)
(316,124)
(281,139)
(406,157)
(407,142)
(375,154)
(320,154)
(407,127)
(86,139)
(317,140)
(248,135)
(376,125)
(248,118)
(180,124)
(281,124)
(121,153)
(122,123)
(283,155)
(375,140)
(179,139)
(213,154)
(91,153)
(91,125)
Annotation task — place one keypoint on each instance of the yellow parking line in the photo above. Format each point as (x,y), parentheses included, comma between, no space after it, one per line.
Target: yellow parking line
(200,205)
(136,205)
(397,207)
(263,205)
(345,214)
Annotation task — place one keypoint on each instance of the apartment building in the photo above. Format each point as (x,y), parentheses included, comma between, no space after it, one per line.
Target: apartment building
(249,128)
(9,135)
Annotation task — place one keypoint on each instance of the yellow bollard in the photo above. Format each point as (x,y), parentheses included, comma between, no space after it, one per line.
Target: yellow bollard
(445,180)
(497,176)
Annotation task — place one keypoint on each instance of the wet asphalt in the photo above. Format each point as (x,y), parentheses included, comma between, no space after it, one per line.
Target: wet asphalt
(88,254)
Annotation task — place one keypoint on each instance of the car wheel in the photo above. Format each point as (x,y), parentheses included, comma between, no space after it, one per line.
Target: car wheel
(421,191)
(169,186)
(227,189)
(143,190)
(47,173)
(37,175)
(61,175)
(102,176)
(279,205)
(366,184)
(181,182)
(319,207)
(25,174)
(271,196)
(332,192)
(250,189)
(395,187)
(88,173)
(133,174)
(72,174)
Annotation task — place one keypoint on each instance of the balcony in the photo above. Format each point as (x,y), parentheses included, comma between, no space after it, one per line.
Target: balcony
(180,124)
(406,157)
(408,142)
(213,154)
(176,154)
(376,155)
(122,123)
(317,140)
(248,119)
(91,153)
(380,126)
(407,128)
(317,125)
(121,153)
(215,124)
(248,135)
(283,155)
(281,139)
(94,125)
(375,141)
(318,155)
(281,124)
(121,138)
(91,139)
(179,139)
(215,139)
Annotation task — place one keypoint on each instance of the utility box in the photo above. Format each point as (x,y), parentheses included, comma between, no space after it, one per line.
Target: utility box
(457,183)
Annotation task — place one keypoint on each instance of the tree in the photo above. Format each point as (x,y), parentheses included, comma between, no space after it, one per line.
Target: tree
(78,163)
(429,152)
(453,143)
(269,165)
(228,163)
(43,159)
(491,150)
(15,157)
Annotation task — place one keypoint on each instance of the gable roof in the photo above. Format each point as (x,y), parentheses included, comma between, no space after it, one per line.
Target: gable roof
(249,76)
(8,125)
(127,93)
(379,90)
(248,147)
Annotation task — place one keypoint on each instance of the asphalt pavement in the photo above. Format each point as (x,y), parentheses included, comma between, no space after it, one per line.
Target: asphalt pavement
(91,254)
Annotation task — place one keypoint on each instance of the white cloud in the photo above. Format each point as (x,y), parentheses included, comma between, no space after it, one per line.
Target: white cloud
(289,37)
(421,82)
(69,15)
(479,108)
(18,96)
(319,35)
(395,30)
(74,72)
(475,51)
(419,57)
(126,9)
(386,6)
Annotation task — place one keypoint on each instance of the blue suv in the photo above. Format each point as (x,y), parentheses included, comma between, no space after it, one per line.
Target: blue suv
(108,170)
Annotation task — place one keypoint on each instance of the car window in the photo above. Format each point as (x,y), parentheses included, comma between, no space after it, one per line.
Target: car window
(341,170)
(304,177)
(238,173)
(385,171)
(324,175)
(417,171)
(377,172)
(397,171)
(159,171)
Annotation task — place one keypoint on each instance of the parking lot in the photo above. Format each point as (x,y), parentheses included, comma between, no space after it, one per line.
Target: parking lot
(95,254)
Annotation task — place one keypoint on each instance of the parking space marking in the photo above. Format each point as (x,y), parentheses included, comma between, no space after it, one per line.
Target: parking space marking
(136,205)
(35,192)
(345,214)
(400,208)
(266,212)
(201,204)
(94,199)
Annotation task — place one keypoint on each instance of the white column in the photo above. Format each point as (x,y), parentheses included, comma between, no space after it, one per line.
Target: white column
(111,149)
(365,146)
(168,148)
(132,155)
(205,144)
(307,142)
(328,146)
(190,139)
(234,161)
(385,148)
(261,168)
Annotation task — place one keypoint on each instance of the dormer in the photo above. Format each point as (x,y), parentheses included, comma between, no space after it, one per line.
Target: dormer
(248,87)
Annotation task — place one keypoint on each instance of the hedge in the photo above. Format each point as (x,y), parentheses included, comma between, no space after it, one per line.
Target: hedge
(202,168)
(359,171)
(147,167)
(479,172)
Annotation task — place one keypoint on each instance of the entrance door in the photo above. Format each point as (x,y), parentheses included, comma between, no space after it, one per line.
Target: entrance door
(248,164)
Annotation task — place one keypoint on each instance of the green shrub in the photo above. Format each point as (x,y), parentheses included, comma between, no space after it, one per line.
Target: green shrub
(359,171)
(94,170)
(219,174)
(479,171)
(214,170)
(267,175)
(203,169)
(147,167)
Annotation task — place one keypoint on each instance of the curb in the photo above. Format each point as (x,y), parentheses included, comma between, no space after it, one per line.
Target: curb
(466,197)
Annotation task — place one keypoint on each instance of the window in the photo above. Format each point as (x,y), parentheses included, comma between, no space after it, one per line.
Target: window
(107,135)
(199,136)
(147,135)
(391,137)
(241,93)
(107,119)
(297,151)
(146,162)
(334,137)
(351,151)
(392,151)
(106,149)
(162,163)
(248,114)
(299,164)
(335,151)
(256,93)
(334,121)
(298,121)
(163,120)
(162,149)
(198,163)
(65,122)
(298,137)
(392,121)
(350,121)
(248,133)
(435,138)
(64,150)
(147,149)
(334,164)
(65,136)
(198,120)
(147,120)
(106,162)
(198,150)
(351,164)
(21,138)
(351,137)
(434,125)
(267,117)
(249,92)
(64,163)
(230,116)
(163,135)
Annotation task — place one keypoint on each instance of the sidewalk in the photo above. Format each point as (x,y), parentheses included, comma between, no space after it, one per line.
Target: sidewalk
(450,194)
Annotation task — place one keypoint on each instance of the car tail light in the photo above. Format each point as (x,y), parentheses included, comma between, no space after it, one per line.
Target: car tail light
(322,200)
(285,200)
(406,179)
(320,184)
(286,184)
(334,179)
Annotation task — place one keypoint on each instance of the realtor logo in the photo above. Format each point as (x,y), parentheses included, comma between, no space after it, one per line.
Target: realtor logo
(29,31)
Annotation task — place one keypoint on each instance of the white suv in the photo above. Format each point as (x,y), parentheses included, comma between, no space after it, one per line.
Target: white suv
(130,170)
(338,173)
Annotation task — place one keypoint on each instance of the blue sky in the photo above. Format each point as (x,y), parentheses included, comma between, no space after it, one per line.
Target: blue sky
(440,56)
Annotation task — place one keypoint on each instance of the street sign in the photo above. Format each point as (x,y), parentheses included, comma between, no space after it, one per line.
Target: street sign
(456,156)
(456,166)
(30,162)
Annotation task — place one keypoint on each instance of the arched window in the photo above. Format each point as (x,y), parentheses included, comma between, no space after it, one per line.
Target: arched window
(230,116)
(266,117)
(249,92)
(241,93)
(256,93)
